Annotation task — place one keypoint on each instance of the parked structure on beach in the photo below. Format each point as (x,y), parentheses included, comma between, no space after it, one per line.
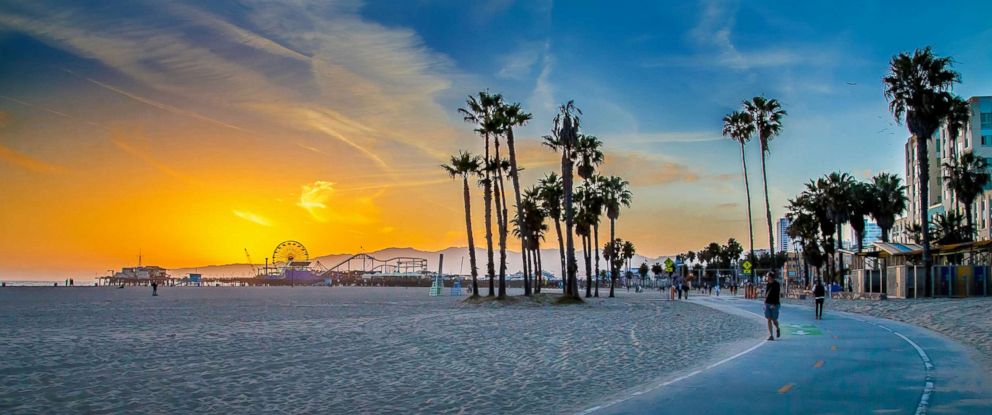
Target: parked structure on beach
(140,275)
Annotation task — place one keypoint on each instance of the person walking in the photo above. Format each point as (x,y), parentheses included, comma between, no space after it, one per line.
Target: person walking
(772,305)
(819,292)
(154,288)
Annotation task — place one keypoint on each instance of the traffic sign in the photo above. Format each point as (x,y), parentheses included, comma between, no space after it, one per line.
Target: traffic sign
(747,266)
(669,266)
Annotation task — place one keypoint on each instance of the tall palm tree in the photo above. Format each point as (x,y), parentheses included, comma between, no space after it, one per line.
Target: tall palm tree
(480,111)
(739,126)
(510,116)
(628,250)
(917,88)
(590,155)
(767,116)
(499,166)
(837,191)
(616,194)
(551,193)
(564,137)
(614,257)
(861,200)
(958,117)
(583,229)
(465,165)
(967,178)
(534,215)
(596,204)
(889,201)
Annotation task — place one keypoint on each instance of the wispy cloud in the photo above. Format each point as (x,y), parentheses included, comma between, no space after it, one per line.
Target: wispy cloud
(668,137)
(712,38)
(520,63)
(27,162)
(359,82)
(252,217)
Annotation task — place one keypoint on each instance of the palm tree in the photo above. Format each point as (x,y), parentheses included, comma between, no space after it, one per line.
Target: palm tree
(589,153)
(656,269)
(767,117)
(950,228)
(481,111)
(596,203)
(510,116)
(967,178)
(958,117)
(530,228)
(564,137)
(616,195)
(861,200)
(613,251)
(551,192)
(917,88)
(464,165)
(583,228)
(739,126)
(837,198)
(628,250)
(889,201)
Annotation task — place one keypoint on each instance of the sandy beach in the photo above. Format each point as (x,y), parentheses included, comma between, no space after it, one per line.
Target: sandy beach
(340,350)
(963,319)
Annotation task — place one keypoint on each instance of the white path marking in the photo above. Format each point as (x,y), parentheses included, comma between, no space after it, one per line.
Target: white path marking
(678,379)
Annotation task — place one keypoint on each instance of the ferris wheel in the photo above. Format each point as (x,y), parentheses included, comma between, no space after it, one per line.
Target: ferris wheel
(288,252)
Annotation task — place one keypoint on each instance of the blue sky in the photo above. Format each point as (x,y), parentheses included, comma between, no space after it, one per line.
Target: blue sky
(314,118)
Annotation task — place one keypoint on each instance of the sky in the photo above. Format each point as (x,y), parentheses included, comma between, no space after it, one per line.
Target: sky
(192,131)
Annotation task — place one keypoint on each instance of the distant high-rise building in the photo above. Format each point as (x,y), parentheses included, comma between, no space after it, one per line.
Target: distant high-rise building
(783,242)
(872,234)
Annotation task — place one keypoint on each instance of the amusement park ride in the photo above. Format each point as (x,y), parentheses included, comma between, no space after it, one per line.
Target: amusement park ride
(290,263)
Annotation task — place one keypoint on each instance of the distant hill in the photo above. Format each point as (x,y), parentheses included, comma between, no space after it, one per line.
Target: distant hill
(453,261)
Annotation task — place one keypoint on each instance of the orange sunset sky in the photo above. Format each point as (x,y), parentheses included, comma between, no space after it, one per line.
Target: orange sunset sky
(191,132)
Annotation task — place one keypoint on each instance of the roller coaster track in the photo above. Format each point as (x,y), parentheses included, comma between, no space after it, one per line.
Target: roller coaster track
(367,263)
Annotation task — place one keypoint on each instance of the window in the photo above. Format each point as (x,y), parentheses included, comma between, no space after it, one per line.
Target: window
(987,140)
(987,120)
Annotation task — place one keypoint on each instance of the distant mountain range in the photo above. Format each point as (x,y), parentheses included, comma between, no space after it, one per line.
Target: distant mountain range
(453,261)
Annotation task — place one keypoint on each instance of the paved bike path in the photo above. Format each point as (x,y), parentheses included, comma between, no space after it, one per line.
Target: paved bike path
(844,364)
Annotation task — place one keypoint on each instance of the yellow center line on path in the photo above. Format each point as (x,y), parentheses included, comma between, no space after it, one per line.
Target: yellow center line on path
(785,389)
(819,364)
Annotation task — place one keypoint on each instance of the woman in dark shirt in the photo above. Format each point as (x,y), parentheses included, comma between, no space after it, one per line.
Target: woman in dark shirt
(818,293)
(772,304)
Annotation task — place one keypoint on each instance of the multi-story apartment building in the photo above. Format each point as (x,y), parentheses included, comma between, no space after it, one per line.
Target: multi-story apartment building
(782,241)
(975,138)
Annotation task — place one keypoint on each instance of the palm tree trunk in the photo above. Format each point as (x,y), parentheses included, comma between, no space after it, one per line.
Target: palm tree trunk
(595,232)
(587,242)
(566,164)
(840,256)
(526,260)
(924,185)
(471,240)
(540,269)
(768,209)
(613,252)
(515,179)
(750,225)
(967,214)
(500,221)
(561,250)
(488,196)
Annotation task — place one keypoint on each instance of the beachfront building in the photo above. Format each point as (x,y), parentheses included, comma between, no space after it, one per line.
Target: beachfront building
(975,138)
(140,275)
(783,243)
